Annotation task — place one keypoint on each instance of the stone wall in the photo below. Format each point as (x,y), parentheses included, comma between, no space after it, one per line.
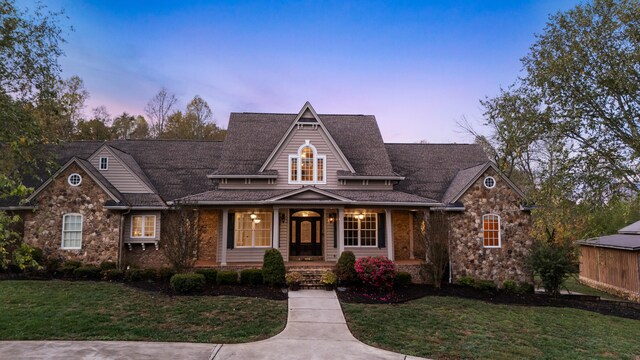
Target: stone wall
(100,227)
(149,258)
(611,289)
(468,256)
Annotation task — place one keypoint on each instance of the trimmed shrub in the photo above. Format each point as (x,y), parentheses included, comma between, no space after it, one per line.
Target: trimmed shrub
(88,272)
(273,270)
(402,279)
(165,274)
(108,265)
(484,285)
(149,274)
(69,266)
(210,275)
(187,283)
(346,268)
(227,277)
(113,275)
(293,280)
(134,275)
(466,281)
(53,265)
(251,277)
(376,273)
(526,288)
(554,262)
(510,287)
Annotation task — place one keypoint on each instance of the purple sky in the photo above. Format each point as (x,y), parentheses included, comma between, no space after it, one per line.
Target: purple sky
(419,67)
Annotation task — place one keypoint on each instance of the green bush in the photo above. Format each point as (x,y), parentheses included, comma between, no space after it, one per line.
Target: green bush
(187,283)
(485,285)
(165,273)
(69,266)
(88,272)
(149,274)
(329,279)
(227,278)
(24,257)
(273,269)
(134,275)
(402,279)
(466,281)
(526,288)
(346,269)
(52,265)
(510,286)
(251,277)
(554,262)
(113,275)
(210,275)
(108,265)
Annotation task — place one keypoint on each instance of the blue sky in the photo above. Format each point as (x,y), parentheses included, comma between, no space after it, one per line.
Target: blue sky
(418,66)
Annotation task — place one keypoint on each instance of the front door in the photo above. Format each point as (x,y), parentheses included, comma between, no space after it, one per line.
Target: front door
(306,233)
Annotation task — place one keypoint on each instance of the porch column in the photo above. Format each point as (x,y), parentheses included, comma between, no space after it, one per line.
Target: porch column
(411,256)
(276,228)
(225,231)
(389,231)
(340,231)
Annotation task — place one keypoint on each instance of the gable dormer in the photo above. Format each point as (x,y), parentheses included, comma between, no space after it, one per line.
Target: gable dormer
(111,164)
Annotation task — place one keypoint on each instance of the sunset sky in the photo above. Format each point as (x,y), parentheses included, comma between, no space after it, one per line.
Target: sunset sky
(418,66)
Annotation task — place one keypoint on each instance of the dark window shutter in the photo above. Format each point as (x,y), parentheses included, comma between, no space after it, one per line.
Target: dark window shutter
(382,230)
(335,234)
(231,231)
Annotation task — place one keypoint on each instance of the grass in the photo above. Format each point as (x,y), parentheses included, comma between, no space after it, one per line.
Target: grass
(62,310)
(454,328)
(573,285)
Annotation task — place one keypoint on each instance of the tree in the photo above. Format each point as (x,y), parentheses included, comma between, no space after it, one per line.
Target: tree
(196,123)
(158,110)
(180,234)
(434,244)
(141,128)
(127,126)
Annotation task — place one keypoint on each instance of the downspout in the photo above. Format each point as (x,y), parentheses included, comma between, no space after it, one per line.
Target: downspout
(449,245)
(121,239)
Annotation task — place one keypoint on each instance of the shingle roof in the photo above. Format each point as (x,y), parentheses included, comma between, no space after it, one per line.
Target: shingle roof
(617,241)
(132,164)
(429,169)
(631,229)
(251,138)
(460,181)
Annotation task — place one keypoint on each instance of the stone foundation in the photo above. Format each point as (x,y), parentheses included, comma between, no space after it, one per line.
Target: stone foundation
(468,255)
(100,227)
(614,290)
(149,258)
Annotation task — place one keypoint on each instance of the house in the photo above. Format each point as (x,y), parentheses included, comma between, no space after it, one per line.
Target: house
(309,185)
(612,263)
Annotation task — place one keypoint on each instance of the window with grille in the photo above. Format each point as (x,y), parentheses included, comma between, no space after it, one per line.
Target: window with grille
(104,163)
(72,231)
(143,226)
(307,167)
(491,230)
(253,229)
(361,229)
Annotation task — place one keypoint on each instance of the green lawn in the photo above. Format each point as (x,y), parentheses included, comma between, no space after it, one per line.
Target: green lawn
(454,328)
(38,310)
(573,285)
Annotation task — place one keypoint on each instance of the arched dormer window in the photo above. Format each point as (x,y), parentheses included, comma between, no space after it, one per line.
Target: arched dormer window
(307,167)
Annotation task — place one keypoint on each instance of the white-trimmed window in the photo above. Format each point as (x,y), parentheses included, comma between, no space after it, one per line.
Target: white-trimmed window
(361,229)
(74,179)
(307,166)
(253,229)
(104,163)
(489,182)
(143,226)
(72,231)
(491,231)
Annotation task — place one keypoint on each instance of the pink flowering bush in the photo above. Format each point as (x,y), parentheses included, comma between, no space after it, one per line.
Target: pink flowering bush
(376,273)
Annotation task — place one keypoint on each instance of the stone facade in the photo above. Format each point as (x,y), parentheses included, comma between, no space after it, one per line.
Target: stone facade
(149,258)
(401,234)
(100,227)
(209,221)
(468,255)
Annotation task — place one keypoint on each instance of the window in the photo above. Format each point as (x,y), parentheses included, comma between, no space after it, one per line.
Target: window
(489,182)
(307,167)
(491,230)
(104,163)
(143,226)
(361,229)
(74,179)
(253,229)
(72,231)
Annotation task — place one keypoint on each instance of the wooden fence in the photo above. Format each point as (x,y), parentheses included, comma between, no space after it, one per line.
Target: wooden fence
(619,268)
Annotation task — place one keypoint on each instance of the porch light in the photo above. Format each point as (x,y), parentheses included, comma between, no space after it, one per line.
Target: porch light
(253,216)
(360,216)
(257,221)
(332,218)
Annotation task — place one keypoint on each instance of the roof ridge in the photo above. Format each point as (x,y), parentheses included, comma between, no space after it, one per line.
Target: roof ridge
(292,114)
(400,143)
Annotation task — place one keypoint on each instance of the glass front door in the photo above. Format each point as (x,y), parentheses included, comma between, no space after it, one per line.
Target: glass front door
(306,233)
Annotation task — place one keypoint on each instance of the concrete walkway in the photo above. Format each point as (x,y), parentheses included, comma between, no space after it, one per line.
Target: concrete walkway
(316,329)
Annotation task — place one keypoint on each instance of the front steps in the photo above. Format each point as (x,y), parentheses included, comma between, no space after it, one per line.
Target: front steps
(311,275)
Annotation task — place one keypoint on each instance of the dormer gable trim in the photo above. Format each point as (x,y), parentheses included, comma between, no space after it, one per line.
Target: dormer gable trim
(300,120)
(123,163)
(73,160)
(309,189)
(487,165)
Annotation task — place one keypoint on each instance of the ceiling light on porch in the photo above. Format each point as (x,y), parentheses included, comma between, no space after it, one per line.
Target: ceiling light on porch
(257,221)
(253,216)
(360,216)
(305,214)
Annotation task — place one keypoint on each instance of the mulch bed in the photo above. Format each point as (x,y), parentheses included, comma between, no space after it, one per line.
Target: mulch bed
(591,303)
(264,292)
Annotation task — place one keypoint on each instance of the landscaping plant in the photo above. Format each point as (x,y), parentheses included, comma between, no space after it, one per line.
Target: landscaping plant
(273,269)
(329,280)
(210,275)
(402,279)
(293,280)
(227,278)
(180,235)
(434,247)
(87,272)
(187,283)
(251,277)
(554,262)
(376,273)
(346,268)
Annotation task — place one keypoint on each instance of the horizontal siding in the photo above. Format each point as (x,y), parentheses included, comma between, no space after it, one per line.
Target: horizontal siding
(331,253)
(117,174)
(283,245)
(245,254)
(366,251)
(127,226)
